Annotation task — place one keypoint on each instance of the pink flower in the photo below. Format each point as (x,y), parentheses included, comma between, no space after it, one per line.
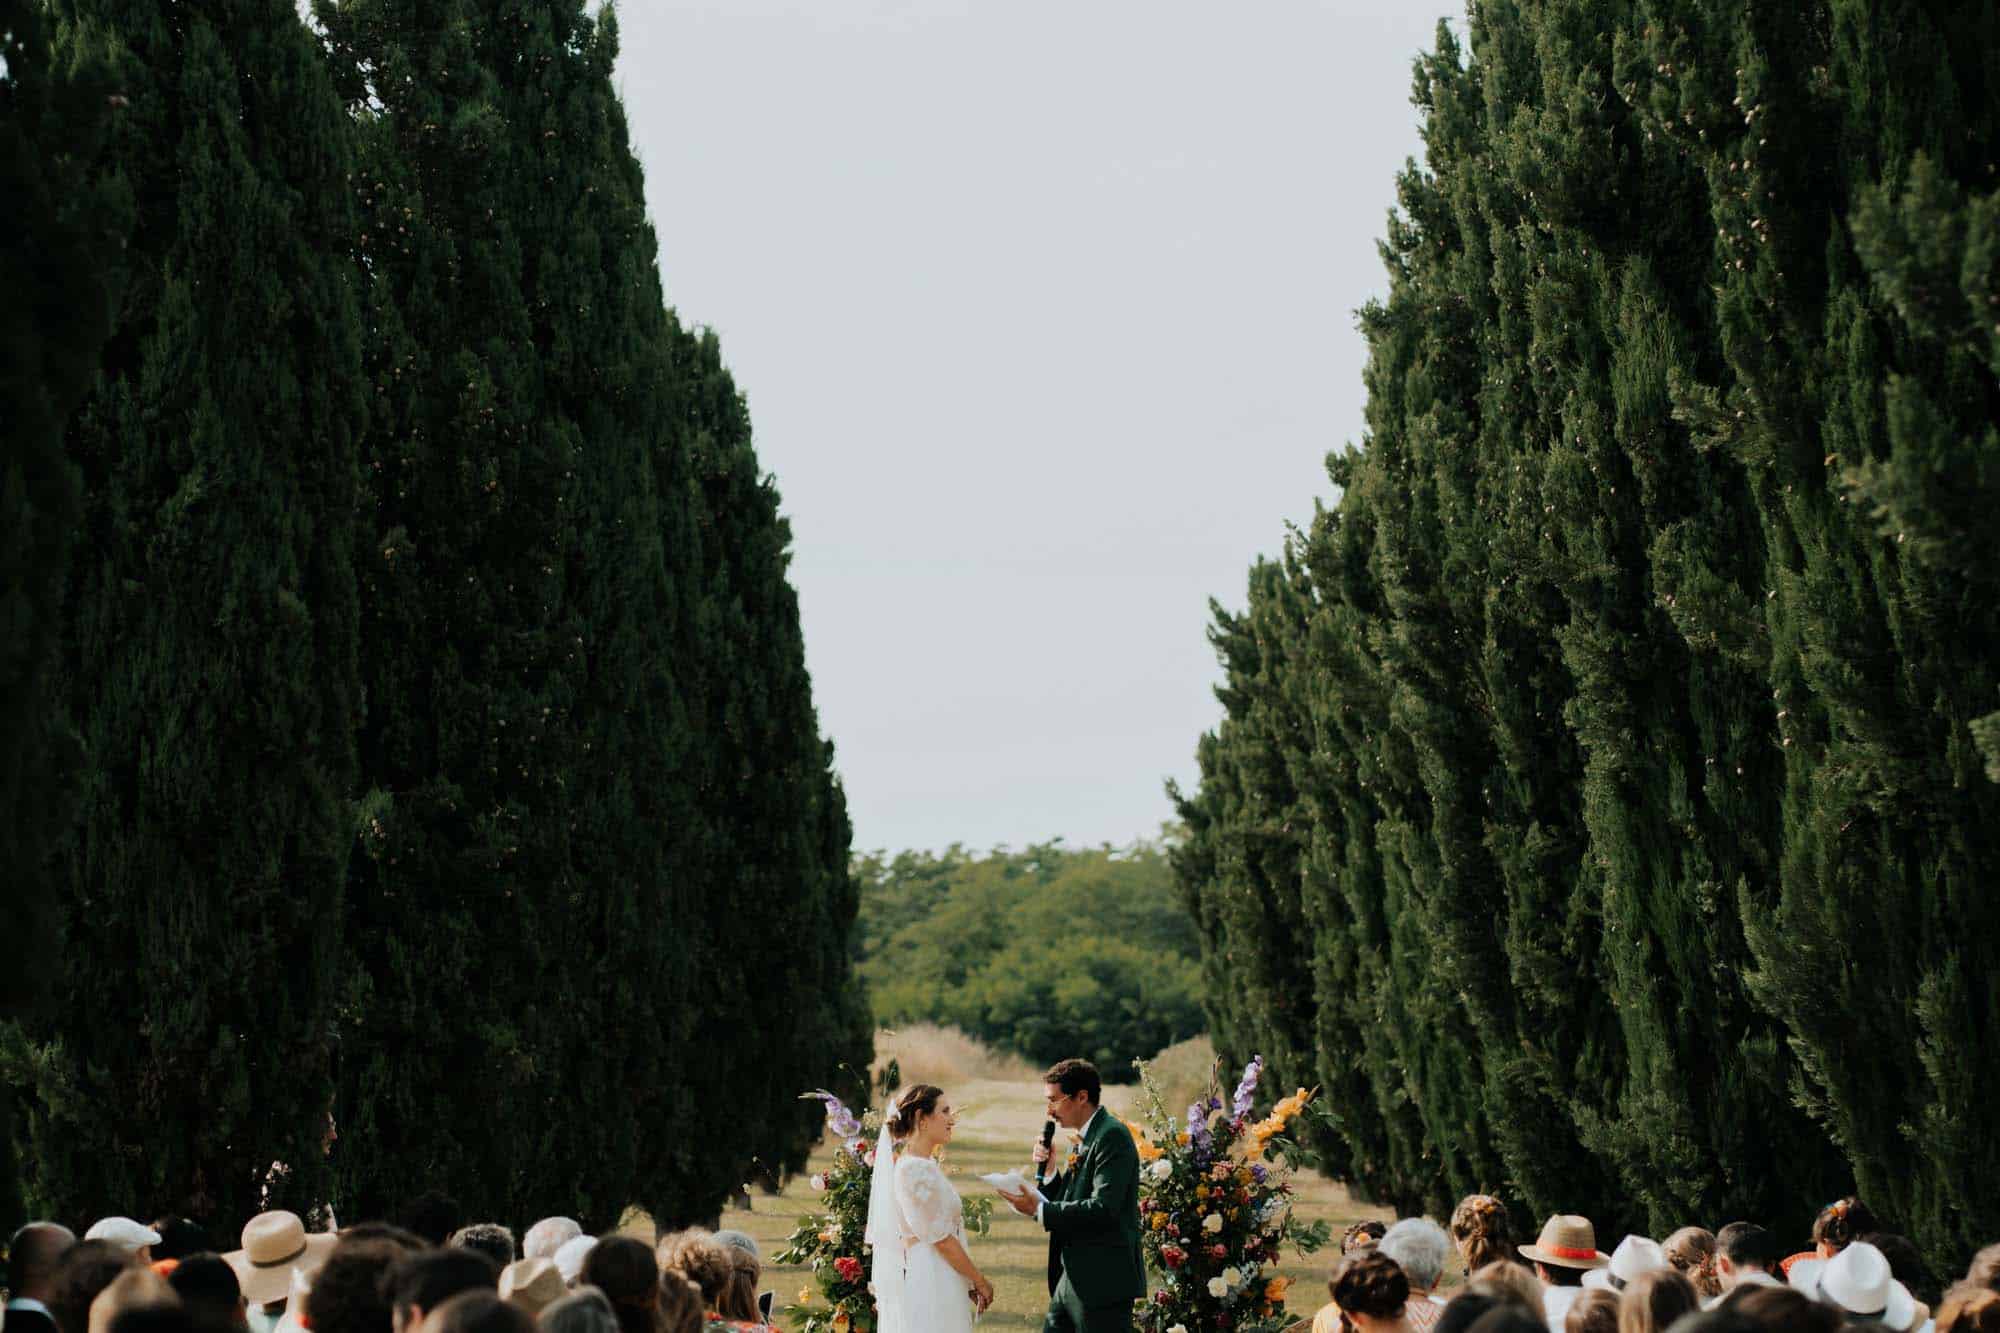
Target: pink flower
(1218,1251)
(848,1267)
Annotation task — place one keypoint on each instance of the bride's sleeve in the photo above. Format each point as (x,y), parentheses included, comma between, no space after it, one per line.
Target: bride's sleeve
(928,1206)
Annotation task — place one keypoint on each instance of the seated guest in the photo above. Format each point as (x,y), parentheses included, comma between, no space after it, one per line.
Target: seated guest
(1421,1249)
(489,1238)
(569,1257)
(1691,1250)
(135,1238)
(532,1284)
(136,1288)
(348,1293)
(210,1292)
(742,1244)
(422,1282)
(180,1237)
(478,1312)
(1562,1254)
(681,1309)
(87,1268)
(1858,1283)
(1371,1292)
(549,1235)
(1784,1310)
(582,1311)
(1596,1311)
(626,1272)
(696,1255)
(1969,1309)
(1513,1281)
(434,1215)
(34,1257)
(275,1247)
(1652,1301)
(1745,1254)
(1839,1224)
(1634,1255)
(1483,1231)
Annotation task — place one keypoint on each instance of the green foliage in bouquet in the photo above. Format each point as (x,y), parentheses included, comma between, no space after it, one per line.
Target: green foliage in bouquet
(1215,1209)
(831,1240)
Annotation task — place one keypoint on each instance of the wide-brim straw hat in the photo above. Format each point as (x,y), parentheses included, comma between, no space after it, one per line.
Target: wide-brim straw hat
(532,1284)
(1858,1280)
(1567,1241)
(1634,1255)
(274,1244)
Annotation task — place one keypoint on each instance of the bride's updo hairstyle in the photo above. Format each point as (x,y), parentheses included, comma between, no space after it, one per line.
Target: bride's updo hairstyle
(913,1104)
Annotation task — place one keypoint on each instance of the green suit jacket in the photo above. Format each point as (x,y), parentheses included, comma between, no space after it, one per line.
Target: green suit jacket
(1092,1217)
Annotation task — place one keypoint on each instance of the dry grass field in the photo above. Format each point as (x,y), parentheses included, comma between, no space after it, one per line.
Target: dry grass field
(1000,1114)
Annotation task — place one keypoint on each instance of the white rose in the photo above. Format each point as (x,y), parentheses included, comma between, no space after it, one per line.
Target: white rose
(1217,1288)
(1212,1223)
(1178,1328)
(1160,1170)
(1233,1276)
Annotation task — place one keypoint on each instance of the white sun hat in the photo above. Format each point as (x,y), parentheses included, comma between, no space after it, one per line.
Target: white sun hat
(1858,1280)
(569,1259)
(1634,1255)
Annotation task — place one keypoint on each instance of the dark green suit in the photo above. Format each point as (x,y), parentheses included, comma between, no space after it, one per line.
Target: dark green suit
(1092,1217)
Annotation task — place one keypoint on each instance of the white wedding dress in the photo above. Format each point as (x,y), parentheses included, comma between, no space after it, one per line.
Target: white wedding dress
(926,1295)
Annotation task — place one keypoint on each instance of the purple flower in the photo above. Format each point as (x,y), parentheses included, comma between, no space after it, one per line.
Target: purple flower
(1197,1123)
(1247,1089)
(839,1119)
(1257,1172)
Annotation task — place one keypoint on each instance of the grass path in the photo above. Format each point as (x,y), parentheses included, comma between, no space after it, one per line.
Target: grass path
(997,1126)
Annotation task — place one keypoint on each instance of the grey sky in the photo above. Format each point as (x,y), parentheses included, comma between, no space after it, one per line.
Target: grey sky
(1044,312)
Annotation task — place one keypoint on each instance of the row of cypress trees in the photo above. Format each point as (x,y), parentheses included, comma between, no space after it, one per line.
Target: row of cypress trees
(412,616)
(1605,806)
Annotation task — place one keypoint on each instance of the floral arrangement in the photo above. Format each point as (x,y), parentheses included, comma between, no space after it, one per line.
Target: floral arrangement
(831,1240)
(1215,1210)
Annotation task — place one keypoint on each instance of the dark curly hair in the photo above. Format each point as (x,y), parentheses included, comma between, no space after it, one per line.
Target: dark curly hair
(347,1295)
(1074,1076)
(1843,1222)
(1370,1282)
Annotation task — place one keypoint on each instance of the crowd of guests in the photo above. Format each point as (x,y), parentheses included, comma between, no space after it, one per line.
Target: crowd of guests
(424,1273)
(1858,1277)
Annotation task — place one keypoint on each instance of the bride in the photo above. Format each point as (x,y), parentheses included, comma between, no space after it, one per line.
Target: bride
(924,1280)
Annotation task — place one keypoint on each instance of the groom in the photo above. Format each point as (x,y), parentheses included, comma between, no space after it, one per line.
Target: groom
(1091,1212)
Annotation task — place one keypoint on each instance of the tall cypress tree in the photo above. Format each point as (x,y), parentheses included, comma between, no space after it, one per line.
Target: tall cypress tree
(1648,656)
(210,639)
(59,258)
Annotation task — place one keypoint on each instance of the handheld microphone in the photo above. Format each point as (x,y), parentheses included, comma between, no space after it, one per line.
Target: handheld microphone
(1048,1137)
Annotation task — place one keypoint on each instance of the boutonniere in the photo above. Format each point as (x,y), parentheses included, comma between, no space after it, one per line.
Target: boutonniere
(1075,1158)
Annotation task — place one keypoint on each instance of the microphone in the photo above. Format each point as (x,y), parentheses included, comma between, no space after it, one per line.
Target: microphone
(1048,1137)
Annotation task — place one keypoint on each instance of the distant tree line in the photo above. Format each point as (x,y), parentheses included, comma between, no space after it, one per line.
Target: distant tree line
(1606,805)
(406,725)
(1047,953)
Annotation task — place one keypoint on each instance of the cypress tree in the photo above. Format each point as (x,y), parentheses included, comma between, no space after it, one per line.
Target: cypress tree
(1646,659)
(59,258)
(210,640)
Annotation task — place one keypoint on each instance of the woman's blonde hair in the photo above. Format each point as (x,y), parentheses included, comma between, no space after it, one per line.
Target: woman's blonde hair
(700,1258)
(1483,1230)
(1692,1251)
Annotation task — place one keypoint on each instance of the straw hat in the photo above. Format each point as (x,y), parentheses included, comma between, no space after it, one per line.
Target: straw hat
(532,1284)
(1858,1281)
(1634,1255)
(1567,1241)
(274,1244)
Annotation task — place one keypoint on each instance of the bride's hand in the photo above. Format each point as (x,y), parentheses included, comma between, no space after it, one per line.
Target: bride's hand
(982,1293)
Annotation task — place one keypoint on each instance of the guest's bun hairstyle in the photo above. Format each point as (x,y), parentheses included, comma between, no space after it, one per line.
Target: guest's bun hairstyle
(1843,1222)
(698,1256)
(1692,1251)
(912,1105)
(1483,1230)
(1370,1282)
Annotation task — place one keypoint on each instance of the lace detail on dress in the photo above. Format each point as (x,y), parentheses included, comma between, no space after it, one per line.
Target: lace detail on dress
(930,1206)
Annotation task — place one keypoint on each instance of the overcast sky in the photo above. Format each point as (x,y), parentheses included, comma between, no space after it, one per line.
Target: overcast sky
(1045,314)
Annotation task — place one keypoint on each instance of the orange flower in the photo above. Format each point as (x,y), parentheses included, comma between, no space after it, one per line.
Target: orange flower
(1147,1151)
(1275,1289)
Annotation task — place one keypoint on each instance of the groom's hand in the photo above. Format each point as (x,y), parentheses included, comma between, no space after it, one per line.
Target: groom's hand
(1022,1203)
